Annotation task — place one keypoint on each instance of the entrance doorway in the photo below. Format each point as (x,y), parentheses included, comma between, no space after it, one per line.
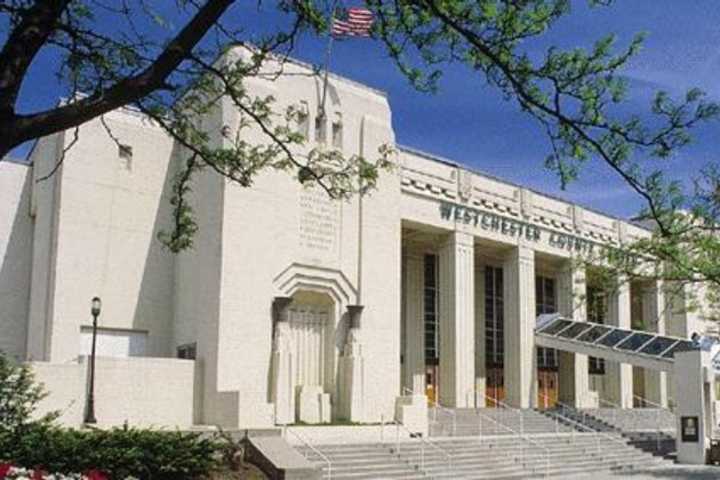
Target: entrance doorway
(431,384)
(494,337)
(494,387)
(309,331)
(547,388)
(547,358)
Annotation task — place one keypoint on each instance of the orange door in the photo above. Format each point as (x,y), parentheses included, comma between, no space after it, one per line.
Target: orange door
(431,384)
(547,388)
(495,387)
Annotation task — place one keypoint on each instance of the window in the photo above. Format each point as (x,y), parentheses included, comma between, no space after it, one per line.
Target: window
(430,308)
(545,302)
(187,351)
(337,131)
(125,152)
(494,318)
(596,311)
(320,129)
(114,343)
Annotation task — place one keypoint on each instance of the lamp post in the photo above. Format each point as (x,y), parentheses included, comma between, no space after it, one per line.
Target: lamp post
(90,411)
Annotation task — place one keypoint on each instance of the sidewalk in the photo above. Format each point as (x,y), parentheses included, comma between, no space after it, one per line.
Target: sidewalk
(675,472)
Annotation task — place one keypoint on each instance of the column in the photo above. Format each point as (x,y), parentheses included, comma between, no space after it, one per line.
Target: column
(457,321)
(574,378)
(618,376)
(351,370)
(283,385)
(414,361)
(519,342)
(654,315)
(480,373)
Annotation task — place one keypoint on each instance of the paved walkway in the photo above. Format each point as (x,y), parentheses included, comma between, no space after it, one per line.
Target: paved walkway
(675,472)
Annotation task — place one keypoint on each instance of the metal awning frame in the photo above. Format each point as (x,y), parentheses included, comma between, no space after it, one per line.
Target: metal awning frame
(612,353)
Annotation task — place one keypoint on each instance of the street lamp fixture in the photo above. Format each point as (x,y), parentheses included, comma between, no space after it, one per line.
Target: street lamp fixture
(95,308)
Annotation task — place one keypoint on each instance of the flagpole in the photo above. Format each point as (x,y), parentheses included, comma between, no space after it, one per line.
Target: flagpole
(328,52)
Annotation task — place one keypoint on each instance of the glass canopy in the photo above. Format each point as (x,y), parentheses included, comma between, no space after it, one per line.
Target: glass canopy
(628,341)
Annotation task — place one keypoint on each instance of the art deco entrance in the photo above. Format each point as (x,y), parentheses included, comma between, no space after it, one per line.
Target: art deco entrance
(308,331)
(303,358)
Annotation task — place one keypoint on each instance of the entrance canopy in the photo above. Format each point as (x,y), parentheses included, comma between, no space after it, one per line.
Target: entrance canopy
(634,347)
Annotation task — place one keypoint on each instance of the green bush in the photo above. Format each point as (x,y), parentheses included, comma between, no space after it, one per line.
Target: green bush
(19,396)
(119,452)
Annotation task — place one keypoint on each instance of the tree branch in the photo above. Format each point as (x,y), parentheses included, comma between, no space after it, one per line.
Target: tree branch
(24,42)
(153,78)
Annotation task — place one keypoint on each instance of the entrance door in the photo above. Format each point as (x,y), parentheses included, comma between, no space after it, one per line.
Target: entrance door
(547,358)
(431,384)
(547,388)
(494,387)
(494,336)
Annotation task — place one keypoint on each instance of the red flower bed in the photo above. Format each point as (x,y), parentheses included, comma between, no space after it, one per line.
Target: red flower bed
(39,474)
(4,469)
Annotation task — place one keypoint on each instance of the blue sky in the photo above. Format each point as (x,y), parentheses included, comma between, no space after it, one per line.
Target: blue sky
(468,122)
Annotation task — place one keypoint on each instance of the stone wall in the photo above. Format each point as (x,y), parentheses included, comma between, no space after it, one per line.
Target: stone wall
(139,391)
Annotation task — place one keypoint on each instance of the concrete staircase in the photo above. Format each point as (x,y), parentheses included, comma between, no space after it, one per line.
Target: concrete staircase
(634,419)
(361,461)
(491,421)
(498,457)
(649,429)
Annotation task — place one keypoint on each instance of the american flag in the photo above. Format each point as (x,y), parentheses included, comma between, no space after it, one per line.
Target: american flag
(356,24)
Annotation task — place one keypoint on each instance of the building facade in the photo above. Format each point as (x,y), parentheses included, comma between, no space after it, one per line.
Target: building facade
(295,307)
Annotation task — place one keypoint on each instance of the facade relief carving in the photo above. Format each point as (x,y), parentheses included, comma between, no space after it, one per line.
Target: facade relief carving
(319,227)
(465,185)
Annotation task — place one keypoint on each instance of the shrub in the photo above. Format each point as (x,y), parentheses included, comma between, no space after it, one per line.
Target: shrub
(118,452)
(19,396)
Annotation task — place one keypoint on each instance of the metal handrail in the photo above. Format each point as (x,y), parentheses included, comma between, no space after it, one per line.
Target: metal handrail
(525,438)
(651,403)
(501,404)
(586,427)
(423,441)
(658,409)
(615,408)
(314,449)
(437,407)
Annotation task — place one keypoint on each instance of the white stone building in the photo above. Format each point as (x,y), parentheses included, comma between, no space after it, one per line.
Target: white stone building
(450,265)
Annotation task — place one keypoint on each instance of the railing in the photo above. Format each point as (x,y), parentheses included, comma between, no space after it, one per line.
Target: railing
(583,426)
(314,449)
(644,402)
(423,442)
(658,409)
(437,407)
(525,438)
(615,407)
(504,406)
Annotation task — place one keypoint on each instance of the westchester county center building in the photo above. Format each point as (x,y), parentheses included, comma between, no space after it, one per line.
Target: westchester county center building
(292,307)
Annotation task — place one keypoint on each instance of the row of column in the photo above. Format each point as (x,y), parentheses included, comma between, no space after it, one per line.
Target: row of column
(459,376)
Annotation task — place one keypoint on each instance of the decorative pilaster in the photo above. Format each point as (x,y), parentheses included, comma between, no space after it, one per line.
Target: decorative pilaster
(352,369)
(520,358)
(618,376)
(283,395)
(574,378)
(654,315)
(414,360)
(457,321)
